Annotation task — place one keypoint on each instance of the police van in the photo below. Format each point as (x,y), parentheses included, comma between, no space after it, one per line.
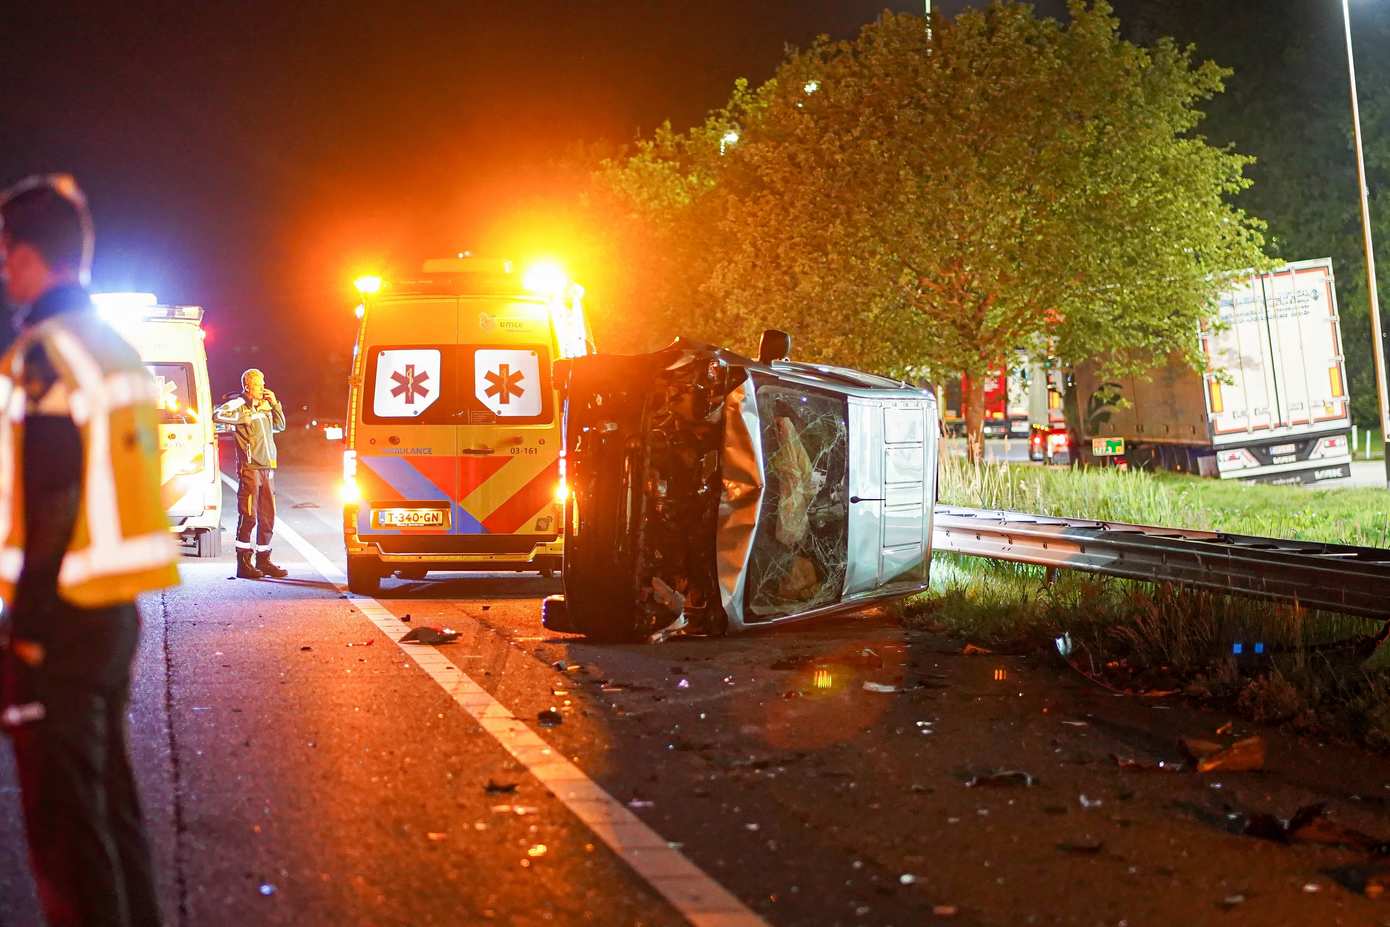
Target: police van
(452,459)
(169,340)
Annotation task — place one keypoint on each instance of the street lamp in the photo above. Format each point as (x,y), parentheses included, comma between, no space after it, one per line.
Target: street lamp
(1377,345)
(728,138)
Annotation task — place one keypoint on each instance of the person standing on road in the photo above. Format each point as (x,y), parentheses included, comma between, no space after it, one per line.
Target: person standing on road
(257,417)
(84,532)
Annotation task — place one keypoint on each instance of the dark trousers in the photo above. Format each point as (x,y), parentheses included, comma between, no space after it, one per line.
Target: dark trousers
(87,842)
(255,505)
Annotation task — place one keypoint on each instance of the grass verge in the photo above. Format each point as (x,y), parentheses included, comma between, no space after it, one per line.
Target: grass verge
(1310,670)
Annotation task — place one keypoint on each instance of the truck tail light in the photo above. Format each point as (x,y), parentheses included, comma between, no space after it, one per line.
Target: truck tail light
(1237,459)
(1331,446)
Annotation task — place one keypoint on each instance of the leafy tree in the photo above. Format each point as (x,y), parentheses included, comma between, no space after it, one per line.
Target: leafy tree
(926,203)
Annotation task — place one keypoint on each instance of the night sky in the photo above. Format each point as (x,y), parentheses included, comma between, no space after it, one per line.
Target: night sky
(251,157)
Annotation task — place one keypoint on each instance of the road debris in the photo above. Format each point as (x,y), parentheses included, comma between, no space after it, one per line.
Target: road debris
(503,788)
(518,810)
(1372,880)
(435,836)
(880,687)
(639,803)
(429,634)
(1136,765)
(972,650)
(266,889)
(1312,824)
(363,643)
(1001,777)
(537,851)
(1231,901)
(550,717)
(1082,847)
(406,618)
(306,647)
(944,910)
(1242,756)
(1088,803)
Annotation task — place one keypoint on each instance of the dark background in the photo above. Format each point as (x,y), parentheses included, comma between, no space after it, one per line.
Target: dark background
(253,157)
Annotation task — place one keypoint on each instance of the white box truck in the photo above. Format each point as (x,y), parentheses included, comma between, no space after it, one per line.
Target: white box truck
(1272,405)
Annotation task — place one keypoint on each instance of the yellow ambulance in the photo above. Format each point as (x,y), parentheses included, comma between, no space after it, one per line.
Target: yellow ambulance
(169,340)
(453,430)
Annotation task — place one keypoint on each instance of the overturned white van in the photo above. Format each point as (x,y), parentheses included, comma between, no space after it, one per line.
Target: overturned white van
(709,492)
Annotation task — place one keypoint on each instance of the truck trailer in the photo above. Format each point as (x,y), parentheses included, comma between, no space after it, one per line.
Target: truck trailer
(1271,406)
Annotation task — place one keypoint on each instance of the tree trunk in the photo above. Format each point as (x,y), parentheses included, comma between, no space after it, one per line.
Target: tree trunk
(1071,408)
(972,402)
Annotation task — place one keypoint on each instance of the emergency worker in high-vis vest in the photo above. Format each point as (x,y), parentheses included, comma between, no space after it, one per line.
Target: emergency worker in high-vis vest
(256,417)
(82,533)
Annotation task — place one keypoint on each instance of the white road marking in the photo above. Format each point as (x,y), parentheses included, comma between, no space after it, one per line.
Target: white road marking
(699,898)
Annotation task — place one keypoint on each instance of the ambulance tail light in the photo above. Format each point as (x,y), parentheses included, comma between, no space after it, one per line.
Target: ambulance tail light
(567,319)
(350,492)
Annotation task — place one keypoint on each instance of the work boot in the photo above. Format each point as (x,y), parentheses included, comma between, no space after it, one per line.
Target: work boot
(267,568)
(245,569)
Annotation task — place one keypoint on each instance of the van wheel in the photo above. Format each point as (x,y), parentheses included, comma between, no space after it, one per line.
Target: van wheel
(209,542)
(364,577)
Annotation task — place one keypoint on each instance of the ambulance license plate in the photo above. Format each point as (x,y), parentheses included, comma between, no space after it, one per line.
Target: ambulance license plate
(411,518)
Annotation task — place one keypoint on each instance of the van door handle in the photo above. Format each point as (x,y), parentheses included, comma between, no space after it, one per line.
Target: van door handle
(854,499)
(479,451)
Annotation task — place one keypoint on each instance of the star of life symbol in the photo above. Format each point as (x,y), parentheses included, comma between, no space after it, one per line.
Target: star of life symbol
(410,384)
(505,382)
(407,382)
(508,382)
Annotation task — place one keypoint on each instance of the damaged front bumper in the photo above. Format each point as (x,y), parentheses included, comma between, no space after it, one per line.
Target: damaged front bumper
(710,492)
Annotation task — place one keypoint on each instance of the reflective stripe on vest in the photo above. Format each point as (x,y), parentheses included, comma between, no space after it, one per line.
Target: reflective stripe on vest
(121,544)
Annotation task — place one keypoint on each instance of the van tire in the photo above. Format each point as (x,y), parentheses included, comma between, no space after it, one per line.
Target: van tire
(209,543)
(364,576)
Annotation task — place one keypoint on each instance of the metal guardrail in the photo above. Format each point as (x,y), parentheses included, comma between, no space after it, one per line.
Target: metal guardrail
(1335,577)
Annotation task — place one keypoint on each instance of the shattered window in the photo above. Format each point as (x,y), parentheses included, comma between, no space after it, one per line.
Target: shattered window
(798,557)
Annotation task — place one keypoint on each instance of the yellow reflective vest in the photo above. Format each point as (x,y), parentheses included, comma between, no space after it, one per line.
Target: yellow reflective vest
(120,544)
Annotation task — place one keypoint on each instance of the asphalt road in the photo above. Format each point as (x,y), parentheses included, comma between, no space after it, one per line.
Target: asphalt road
(301,767)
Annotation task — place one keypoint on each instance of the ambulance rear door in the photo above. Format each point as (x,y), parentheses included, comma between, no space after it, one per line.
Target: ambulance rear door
(406,433)
(509,436)
(172,351)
